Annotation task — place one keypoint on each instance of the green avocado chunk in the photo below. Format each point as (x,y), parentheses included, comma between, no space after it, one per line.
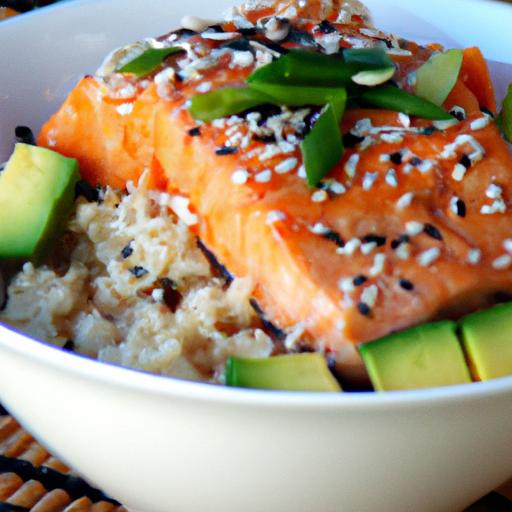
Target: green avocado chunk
(37,191)
(298,372)
(422,357)
(487,339)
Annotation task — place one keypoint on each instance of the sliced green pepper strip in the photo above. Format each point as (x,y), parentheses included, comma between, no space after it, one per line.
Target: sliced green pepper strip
(505,117)
(437,77)
(367,58)
(392,98)
(322,148)
(147,61)
(226,102)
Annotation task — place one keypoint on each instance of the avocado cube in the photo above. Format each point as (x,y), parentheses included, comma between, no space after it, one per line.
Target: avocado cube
(297,372)
(487,339)
(422,357)
(37,191)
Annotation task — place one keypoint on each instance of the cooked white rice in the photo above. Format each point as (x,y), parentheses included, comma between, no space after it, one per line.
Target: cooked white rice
(111,314)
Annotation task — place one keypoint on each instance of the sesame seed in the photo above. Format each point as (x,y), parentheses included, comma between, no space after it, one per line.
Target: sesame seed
(138,271)
(479,124)
(195,132)
(402,239)
(351,165)
(378,239)
(350,247)
(378,265)
(125,109)
(459,171)
(219,36)
(384,158)
(403,251)
(319,196)
(286,166)
(493,191)
(498,206)
(336,187)
(405,200)
(407,168)
(204,87)
(433,232)
(332,236)
(271,150)
(362,127)
(351,141)
(406,285)
(396,157)
(391,178)
(368,248)
(474,256)
(369,179)
(392,138)
(226,150)
(507,245)
(445,124)
(275,216)
(360,280)
(363,308)
(426,166)
(503,262)
(127,250)
(319,229)
(263,176)
(240,177)
(414,228)
(458,112)
(301,173)
(458,207)
(367,143)
(242,59)
(404,119)
(428,257)
(369,295)
(465,161)
(346,285)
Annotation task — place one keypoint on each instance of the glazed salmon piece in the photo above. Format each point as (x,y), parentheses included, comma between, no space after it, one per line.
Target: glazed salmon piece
(412,224)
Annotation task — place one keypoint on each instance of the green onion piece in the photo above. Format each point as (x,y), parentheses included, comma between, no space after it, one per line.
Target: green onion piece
(436,78)
(226,102)
(398,100)
(322,148)
(505,118)
(297,96)
(147,61)
(301,67)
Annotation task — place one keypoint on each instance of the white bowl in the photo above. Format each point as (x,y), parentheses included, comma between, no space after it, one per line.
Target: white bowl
(164,445)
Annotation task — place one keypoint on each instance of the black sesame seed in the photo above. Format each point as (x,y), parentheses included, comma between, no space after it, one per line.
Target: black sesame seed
(172,297)
(363,308)
(433,232)
(396,158)
(379,240)
(185,33)
(273,330)
(402,239)
(359,280)
(138,271)
(300,37)
(69,345)
(267,139)
(487,111)
(195,132)
(325,27)
(458,114)
(226,150)
(250,31)
(429,130)
(351,141)
(406,285)
(415,160)
(24,135)
(461,208)
(465,161)
(127,251)
(334,237)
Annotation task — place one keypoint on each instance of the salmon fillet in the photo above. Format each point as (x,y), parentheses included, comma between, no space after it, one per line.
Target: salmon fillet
(412,224)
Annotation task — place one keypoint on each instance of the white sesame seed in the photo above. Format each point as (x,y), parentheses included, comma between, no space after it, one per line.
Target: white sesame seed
(219,123)
(319,229)
(392,138)
(378,264)
(414,228)
(479,124)
(403,251)
(454,205)
(219,36)
(275,216)
(366,143)
(368,248)
(474,256)
(398,51)
(240,177)
(362,127)
(204,87)
(493,191)
(445,124)
(507,245)
(351,165)
(405,200)
(125,109)
(459,171)
(404,119)
(503,262)
(369,295)
(286,166)
(301,173)
(157,295)
(271,151)
(319,196)
(336,187)
(407,169)
(369,180)
(428,257)
(242,59)
(498,206)
(350,247)
(391,178)
(426,166)
(385,157)
(346,285)
(263,176)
